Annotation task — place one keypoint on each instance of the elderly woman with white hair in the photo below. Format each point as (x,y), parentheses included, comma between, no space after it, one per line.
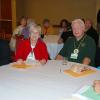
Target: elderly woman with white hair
(33,48)
(80,48)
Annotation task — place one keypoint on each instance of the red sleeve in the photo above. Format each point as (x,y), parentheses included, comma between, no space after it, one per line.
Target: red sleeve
(19,51)
(41,51)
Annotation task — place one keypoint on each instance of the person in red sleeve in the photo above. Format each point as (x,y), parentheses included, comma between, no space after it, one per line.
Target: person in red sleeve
(33,48)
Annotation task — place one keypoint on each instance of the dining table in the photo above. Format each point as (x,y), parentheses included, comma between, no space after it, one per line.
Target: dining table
(41,82)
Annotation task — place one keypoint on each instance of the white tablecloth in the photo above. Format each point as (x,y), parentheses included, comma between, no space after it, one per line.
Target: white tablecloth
(46,82)
(52,45)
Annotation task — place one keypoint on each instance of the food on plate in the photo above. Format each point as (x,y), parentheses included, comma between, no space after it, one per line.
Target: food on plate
(79,68)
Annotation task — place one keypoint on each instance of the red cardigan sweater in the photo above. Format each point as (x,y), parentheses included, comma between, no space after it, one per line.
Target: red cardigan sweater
(24,48)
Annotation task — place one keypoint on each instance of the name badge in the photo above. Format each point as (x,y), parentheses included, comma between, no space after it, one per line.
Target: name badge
(74,55)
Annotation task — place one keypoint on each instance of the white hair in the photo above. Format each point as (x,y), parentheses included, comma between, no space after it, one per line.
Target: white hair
(30,22)
(80,22)
(34,29)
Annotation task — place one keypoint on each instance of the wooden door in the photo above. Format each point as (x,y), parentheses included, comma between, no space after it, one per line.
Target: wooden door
(6,18)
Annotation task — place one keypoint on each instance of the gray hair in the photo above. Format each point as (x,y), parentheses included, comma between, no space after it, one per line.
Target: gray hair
(30,22)
(80,22)
(34,28)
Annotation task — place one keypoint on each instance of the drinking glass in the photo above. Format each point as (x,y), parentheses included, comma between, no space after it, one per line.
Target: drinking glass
(65,61)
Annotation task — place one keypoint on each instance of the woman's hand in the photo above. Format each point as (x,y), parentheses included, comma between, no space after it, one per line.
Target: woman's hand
(43,61)
(20,61)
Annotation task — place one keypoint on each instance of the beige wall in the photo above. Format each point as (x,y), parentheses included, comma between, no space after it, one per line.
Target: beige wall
(20,8)
(97,5)
(55,10)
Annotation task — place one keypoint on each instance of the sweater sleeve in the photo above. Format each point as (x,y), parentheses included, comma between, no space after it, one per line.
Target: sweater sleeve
(19,51)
